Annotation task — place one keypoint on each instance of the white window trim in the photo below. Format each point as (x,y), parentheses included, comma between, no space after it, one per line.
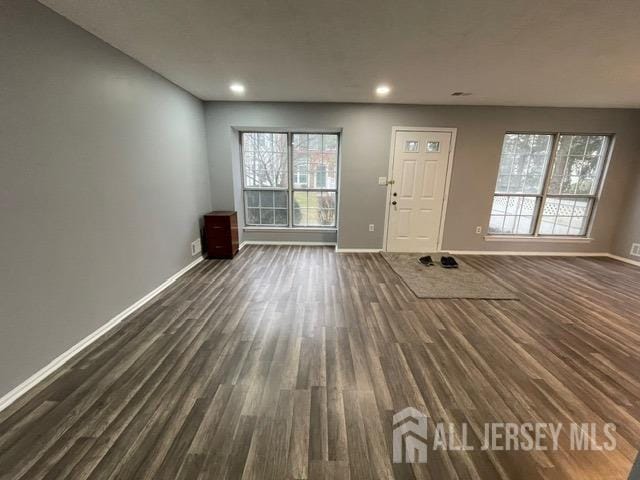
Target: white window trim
(535,236)
(290,188)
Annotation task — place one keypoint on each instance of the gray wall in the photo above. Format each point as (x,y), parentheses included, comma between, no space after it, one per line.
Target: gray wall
(628,231)
(103,175)
(365,156)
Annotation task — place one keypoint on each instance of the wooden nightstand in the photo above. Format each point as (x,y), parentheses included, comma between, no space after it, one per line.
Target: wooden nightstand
(221,234)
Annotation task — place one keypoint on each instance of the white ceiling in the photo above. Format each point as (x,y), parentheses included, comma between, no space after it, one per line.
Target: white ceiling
(507,52)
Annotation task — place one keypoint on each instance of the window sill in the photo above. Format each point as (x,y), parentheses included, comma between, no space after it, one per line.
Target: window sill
(525,238)
(290,229)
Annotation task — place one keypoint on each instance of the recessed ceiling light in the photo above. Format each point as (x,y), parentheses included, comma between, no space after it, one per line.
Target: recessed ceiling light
(237,88)
(383,90)
(460,94)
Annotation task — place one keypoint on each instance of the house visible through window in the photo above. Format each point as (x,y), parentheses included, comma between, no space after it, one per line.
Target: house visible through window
(547,184)
(290,179)
(321,176)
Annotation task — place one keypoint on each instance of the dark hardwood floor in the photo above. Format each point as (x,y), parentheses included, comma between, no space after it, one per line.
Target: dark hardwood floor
(290,362)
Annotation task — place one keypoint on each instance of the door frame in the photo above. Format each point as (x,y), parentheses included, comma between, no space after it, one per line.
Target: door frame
(447,185)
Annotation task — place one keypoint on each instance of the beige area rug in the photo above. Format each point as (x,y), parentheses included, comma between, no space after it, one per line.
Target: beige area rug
(439,282)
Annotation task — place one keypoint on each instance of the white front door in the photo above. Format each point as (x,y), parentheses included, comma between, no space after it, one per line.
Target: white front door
(420,162)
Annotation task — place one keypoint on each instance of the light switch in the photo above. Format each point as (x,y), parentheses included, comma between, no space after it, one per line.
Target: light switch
(382,180)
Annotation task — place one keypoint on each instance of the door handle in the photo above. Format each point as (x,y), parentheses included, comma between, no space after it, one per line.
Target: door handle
(394,203)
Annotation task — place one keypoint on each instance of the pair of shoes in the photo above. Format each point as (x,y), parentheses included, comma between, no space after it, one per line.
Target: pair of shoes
(426,260)
(449,262)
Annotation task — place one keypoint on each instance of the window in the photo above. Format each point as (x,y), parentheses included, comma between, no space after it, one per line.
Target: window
(547,184)
(265,177)
(321,176)
(300,178)
(309,198)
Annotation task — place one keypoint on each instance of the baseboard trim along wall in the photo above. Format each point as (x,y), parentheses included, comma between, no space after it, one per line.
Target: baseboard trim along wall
(59,361)
(624,259)
(358,250)
(295,243)
(547,254)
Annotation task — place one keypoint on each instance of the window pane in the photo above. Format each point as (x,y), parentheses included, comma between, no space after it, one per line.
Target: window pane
(578,165)
(266,207)
(330,169)
(314,209)
(523,162)
(264,160)
(315,142)
(253,216)
(280,199)
(330,143)
(252,198)
(315,161)
(512,215)
(525,225)
(321,176)
(564,216)
(281,216)
(266,216)
(266,199)
(411,146)
(300,170)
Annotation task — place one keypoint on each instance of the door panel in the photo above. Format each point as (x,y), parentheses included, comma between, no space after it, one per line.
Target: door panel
(419,170)
(429,180)
(408,178)
(423,221)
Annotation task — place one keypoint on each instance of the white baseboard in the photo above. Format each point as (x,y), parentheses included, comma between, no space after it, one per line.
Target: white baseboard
(277,242)
(357,250)
(548,254)
(56,363)
(624,259)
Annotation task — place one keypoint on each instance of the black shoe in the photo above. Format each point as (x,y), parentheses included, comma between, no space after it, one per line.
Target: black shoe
(448,262)
(426,260)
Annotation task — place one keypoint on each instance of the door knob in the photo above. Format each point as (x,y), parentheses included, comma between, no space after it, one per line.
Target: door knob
(394,203)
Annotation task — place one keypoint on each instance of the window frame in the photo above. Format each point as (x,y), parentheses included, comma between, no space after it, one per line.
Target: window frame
(290,189)
(542,197)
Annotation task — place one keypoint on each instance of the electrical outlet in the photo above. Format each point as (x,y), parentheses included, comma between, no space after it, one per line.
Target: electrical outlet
(478,229)
(382,180)
(371,227)
(635,250)
(196,247)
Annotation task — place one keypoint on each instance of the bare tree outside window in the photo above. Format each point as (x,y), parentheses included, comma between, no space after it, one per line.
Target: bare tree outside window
(266,174)
(265,160)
